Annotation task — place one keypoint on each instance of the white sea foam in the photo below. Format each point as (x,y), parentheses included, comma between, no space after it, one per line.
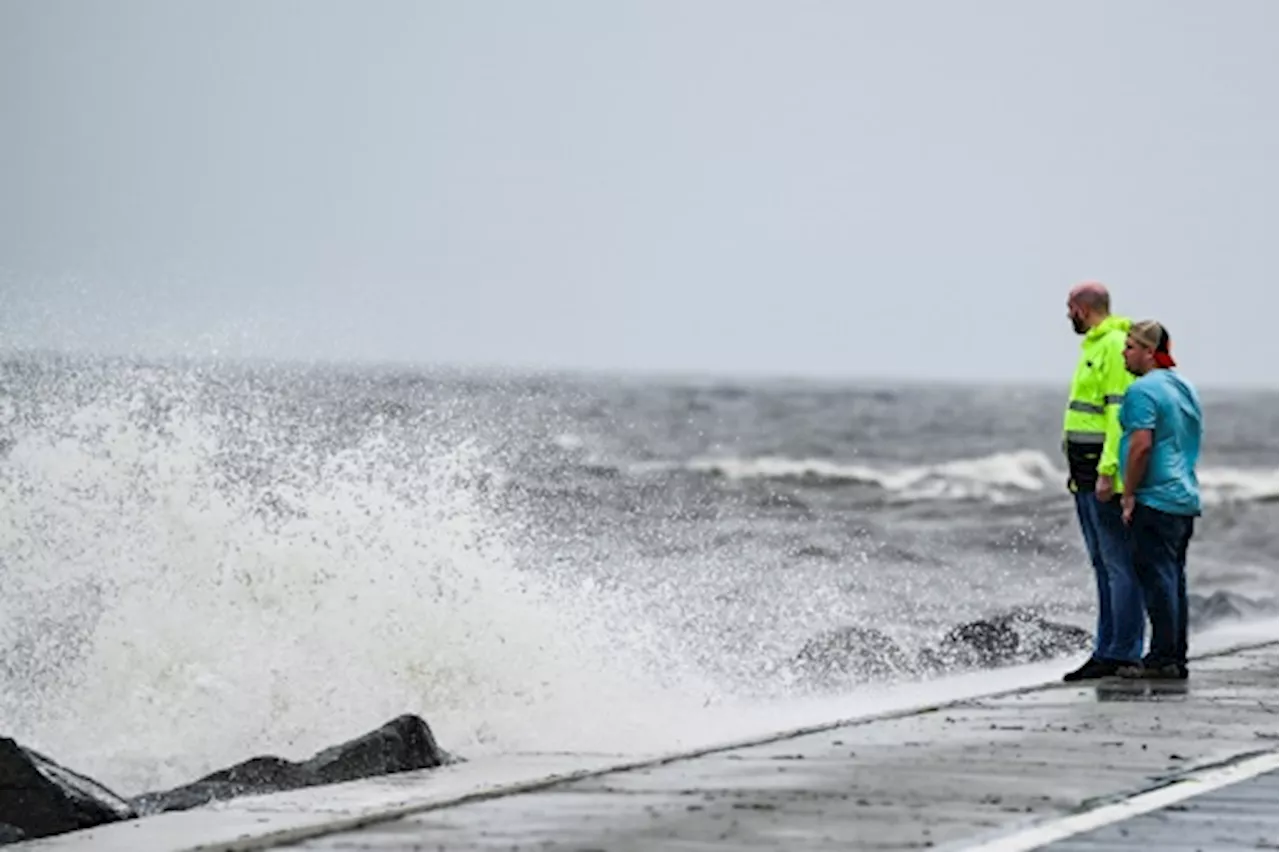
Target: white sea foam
(162,617)
(994,477)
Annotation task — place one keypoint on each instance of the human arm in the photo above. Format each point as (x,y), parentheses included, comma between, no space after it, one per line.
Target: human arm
(1115,381)
(1139,419)
(1135,467)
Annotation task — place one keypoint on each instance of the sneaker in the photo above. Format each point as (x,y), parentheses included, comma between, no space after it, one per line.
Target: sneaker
(1145,671)
(1093,668)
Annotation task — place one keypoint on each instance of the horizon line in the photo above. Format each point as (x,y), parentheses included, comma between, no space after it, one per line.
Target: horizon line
(678,375)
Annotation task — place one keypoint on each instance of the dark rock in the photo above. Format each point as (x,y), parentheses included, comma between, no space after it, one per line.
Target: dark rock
(1216,607)
(39,797)
(980,643)
(256,775)
(1041,639)
(401,745)
(858,652)
(1224,606)
(1018,636)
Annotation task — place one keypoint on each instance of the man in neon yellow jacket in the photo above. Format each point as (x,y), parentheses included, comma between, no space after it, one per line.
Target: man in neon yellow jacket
(1091,440)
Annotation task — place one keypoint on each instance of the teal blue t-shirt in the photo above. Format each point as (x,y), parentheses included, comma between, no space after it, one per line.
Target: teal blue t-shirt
(1168,405)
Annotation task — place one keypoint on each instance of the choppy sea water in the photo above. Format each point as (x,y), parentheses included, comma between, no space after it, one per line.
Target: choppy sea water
(204,562)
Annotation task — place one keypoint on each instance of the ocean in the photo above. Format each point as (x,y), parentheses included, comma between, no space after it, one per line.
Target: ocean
(202,562)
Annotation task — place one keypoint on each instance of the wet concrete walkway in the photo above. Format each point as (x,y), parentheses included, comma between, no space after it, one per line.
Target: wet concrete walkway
(986,773)
(959,774)
(1239,816)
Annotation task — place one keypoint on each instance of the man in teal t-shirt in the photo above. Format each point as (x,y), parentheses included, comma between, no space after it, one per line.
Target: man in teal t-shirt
(1162,425)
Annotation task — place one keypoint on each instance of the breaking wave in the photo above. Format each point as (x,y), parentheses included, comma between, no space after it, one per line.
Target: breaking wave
(999,477)
(179,596)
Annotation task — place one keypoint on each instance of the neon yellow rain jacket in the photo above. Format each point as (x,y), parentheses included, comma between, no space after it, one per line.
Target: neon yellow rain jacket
(1091,427)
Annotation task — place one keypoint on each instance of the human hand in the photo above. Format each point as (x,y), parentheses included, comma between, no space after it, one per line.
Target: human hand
(1126,505)
(1105,489)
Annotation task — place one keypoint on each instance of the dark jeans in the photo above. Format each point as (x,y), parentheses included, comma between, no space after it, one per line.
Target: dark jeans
(1121,620)
(1160,559)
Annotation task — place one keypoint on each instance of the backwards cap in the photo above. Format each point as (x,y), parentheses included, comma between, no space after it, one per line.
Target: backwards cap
(1155,337)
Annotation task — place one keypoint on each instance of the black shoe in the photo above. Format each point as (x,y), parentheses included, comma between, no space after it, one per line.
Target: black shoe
(1148,671)
(1093,668)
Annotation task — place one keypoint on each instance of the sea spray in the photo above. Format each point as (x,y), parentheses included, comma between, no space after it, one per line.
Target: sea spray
(170,607)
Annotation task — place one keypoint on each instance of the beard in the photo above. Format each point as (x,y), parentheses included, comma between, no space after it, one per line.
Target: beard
(1078,325)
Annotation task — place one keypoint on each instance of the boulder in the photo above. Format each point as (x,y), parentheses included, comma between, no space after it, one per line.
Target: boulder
(403,744)
(863,653)
(39,797)
(11,833)
(1224,606)
(981,643)
(1017,636)
(1041,639)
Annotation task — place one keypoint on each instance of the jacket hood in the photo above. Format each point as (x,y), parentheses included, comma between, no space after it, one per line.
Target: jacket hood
(1111,323)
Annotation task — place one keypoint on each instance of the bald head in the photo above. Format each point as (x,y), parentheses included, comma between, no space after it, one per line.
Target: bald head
(1088,304)
(1090,295)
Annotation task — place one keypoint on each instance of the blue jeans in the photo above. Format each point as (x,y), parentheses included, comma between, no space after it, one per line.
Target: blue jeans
(1121,619)
(1160,559)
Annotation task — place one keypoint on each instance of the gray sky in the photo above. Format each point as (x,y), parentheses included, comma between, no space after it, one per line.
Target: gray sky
(875,188)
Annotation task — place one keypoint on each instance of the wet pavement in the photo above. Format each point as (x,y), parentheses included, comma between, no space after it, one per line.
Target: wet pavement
(954,776)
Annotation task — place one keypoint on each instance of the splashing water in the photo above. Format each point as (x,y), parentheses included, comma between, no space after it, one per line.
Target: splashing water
(202,564)
(168,611)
